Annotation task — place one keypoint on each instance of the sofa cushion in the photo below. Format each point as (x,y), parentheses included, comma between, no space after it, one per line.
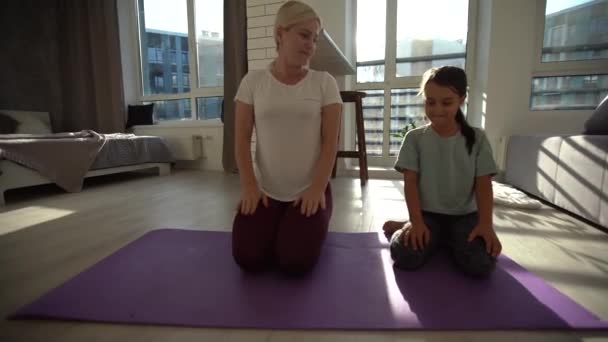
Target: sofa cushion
(532,164)
(581,171)
(598,122)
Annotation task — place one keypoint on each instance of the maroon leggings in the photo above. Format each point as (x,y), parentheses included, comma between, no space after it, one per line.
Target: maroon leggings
(280,235)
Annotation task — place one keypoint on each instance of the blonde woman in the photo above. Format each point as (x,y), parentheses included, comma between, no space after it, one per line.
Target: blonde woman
(286,204)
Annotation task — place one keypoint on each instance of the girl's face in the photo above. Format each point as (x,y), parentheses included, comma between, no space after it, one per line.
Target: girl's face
(299,43)
(441,104)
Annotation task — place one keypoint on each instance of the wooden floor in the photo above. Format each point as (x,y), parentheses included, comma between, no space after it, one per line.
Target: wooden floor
(48,236)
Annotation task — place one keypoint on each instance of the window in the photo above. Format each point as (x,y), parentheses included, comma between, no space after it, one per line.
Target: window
(209,107)
(172,109)
(373,117)
(159,82)
(575,30)
(210,43)
(168,35)
(421,45)
(174,82)
(186,81)
(568,92)
(407,108)
(395,46)
(572,60)
(371,40)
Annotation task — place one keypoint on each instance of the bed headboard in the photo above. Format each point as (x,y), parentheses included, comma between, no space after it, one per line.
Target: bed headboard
(30,122)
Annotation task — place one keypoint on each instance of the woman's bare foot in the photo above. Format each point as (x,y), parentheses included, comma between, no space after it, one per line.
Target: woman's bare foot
(391,227)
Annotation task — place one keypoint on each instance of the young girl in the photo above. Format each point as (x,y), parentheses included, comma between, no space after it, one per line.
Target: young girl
(286,203)
(447,167)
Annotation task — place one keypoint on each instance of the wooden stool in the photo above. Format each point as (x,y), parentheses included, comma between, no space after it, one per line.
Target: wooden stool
(361,153)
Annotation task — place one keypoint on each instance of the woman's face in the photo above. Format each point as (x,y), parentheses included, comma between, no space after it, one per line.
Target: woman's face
(441,104)
(299,43)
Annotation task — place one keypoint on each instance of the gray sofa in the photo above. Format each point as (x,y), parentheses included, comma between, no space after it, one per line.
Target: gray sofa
(570,172)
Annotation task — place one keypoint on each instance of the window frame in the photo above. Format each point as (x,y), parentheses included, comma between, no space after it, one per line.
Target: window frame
(559,68)
(391,81)
(195,91)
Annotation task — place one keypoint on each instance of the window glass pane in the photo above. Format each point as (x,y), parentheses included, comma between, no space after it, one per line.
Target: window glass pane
(575,30)
(209,107)
(419,67)
(407,109)
(370,73)
(422,44)
(163,29)
(371,40)
(172,110)
(568,92)
(210,42)
(373,120)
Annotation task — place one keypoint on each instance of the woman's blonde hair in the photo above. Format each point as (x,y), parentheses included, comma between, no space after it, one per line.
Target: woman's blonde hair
(291,13)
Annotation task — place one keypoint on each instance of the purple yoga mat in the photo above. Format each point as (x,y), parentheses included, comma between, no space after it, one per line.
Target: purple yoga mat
(188,278)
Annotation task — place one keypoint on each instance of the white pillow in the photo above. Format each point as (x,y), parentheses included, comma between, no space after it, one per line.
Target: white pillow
(508,196)
(30,122)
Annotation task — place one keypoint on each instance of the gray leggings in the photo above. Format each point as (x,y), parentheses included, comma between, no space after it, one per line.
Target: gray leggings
(451,231)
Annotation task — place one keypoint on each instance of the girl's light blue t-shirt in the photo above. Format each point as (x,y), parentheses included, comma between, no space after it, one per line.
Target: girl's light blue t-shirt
(446,170)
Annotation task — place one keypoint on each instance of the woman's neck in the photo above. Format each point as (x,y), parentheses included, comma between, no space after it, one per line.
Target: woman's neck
(445,131)
(287,73)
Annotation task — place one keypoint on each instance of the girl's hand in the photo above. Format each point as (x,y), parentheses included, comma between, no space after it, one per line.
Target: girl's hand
(417,235)
(310,201)
(250,197)
(493,245)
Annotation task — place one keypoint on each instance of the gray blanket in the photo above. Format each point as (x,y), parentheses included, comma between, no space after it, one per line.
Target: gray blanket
(64,158)
(129,149)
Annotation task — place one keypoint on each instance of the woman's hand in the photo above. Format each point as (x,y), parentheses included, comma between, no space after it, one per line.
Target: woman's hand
(250,197)
(310,201)
(487,233)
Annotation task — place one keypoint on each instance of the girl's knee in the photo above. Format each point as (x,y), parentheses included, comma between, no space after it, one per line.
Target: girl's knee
(405,257)
(480,268)
(475,262)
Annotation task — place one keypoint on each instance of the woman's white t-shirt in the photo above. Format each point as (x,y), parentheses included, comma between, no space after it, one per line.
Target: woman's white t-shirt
(287,121)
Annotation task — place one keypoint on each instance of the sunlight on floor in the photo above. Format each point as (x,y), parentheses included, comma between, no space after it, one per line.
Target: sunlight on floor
(388,190)
(396,300)
(12,221)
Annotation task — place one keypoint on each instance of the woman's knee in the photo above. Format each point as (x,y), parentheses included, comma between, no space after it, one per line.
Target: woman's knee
(251,259)
(250,254)
(298,252)
(297,264)
(251,246)
(300,240)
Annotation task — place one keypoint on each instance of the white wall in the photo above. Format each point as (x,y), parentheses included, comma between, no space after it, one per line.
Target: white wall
(504,66)
(260,23)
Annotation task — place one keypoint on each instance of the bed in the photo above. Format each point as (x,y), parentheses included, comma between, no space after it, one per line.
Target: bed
(25,154)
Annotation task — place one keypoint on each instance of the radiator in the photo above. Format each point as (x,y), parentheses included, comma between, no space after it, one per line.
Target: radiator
(185,147)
